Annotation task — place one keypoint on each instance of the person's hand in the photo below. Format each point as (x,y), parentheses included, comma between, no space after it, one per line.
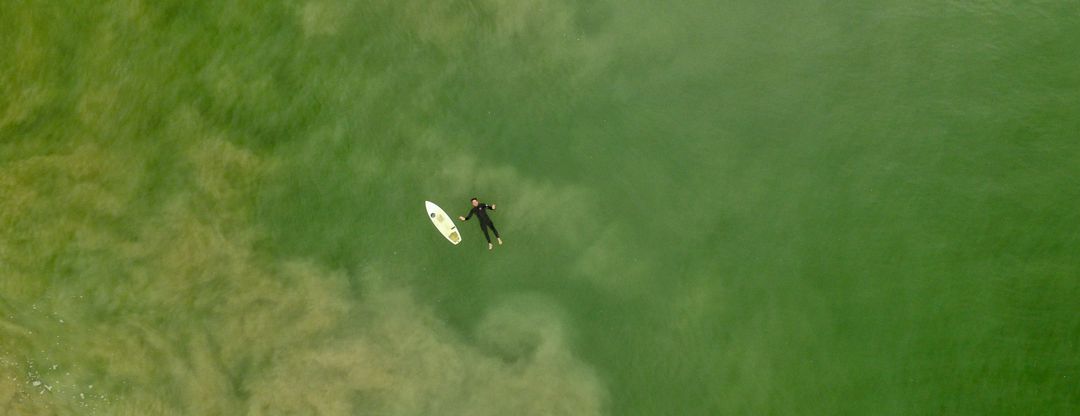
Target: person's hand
(492,206)
(461,217)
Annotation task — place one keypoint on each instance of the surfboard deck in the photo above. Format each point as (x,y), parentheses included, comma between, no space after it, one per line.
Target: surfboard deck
(443,222)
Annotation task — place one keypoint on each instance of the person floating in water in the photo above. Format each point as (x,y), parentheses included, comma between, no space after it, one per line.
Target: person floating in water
(480,210)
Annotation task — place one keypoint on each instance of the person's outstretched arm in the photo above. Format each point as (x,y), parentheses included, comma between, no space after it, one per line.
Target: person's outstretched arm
(491,207)
(471,211)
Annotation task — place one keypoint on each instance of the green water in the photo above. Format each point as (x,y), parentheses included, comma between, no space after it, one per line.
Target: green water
(709,207)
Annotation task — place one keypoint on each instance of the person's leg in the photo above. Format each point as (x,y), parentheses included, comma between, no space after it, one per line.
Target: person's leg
(492,225)
(484,227)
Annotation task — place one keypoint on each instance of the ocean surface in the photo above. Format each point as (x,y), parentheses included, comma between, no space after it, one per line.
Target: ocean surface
(708,207)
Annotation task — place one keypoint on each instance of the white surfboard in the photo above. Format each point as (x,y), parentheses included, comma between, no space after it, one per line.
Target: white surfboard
(443,222)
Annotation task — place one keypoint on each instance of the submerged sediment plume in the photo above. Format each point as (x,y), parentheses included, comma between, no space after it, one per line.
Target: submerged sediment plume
(136,274)
(113,305)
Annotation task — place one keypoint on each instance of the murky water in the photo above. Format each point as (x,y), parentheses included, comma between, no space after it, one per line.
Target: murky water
(708,207)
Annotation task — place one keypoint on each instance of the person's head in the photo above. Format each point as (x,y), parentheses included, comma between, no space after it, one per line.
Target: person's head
(475,201)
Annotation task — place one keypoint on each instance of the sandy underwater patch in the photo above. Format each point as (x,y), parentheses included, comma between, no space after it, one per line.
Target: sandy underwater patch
(117,305)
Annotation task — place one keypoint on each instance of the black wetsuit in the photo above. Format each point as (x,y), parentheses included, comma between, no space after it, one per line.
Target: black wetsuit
(481,213)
